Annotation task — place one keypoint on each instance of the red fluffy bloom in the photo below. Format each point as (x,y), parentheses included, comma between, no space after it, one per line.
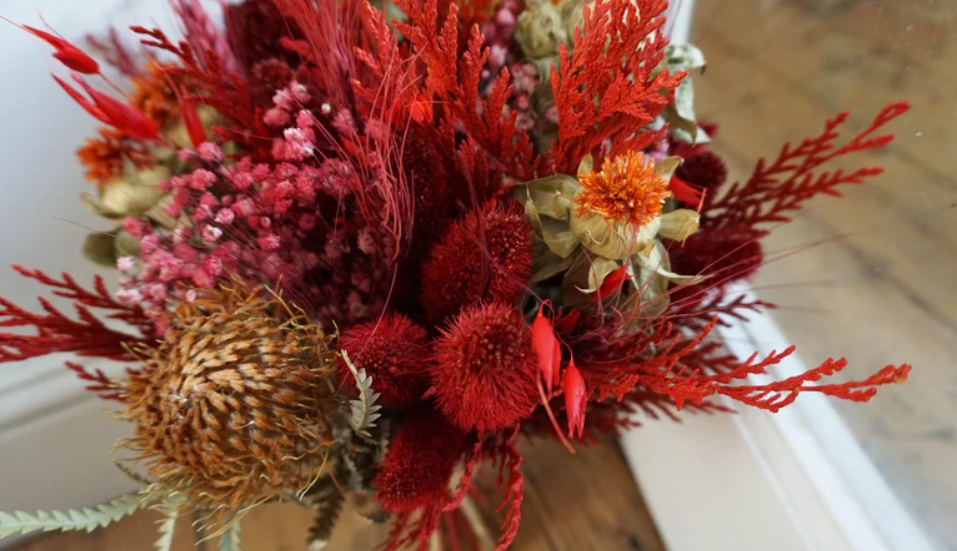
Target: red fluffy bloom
(484,371)
(419,464)
(705,170)
(394,351)
(485,256)
(725,254)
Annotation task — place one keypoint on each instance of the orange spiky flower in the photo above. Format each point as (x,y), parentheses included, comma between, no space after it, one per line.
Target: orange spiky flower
(628,189)
(236,405)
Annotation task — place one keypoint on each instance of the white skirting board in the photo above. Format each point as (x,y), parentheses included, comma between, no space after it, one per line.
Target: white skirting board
(752,481)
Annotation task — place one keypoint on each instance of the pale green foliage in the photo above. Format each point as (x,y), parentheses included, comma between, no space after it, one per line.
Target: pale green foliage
(166,530)
(229,541)
(87,518)
(364,411)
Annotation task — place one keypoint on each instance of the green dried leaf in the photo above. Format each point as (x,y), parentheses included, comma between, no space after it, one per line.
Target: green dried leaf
(166,529)
(99,247)
(85,519)
(599,270)
(364,411)
(229,540)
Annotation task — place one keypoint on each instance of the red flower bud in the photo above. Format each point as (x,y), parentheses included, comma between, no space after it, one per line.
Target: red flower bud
(66,53)
(125,118)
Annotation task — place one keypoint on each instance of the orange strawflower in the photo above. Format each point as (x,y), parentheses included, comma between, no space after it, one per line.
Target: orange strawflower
(154,95)
(628,189)
(103,156)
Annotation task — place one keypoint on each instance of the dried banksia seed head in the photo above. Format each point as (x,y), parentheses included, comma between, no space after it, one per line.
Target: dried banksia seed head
(394,351)
(236,404)
(484,372)
(485,256)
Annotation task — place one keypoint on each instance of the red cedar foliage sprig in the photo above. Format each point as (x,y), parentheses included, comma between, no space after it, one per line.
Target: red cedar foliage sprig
(676,372)
(775,190)
(452,83)
(86,336)
(99,383)
(226,92)
(694,312)
(604,88)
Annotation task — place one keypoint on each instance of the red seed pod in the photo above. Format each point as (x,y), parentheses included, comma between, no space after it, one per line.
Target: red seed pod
(576,397)
(68,54)
(545,345)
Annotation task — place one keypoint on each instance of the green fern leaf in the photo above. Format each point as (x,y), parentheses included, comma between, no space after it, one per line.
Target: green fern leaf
(229,541)
(89,519)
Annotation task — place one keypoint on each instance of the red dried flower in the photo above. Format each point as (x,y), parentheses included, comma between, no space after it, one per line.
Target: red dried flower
(394,351)
(268,77)
(485,371)
(419,464)
(724,253)
(485,256)
(705,169)
(255,29)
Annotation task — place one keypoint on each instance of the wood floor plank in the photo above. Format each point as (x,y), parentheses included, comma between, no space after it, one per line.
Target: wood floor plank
(880,288)
(572,503)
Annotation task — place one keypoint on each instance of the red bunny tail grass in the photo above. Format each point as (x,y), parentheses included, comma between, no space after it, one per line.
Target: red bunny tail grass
(416,471)
(485,256)
(394,351)
(485,371)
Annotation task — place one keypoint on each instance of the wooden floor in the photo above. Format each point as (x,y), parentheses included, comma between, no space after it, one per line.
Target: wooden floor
(881,287)
(581,503)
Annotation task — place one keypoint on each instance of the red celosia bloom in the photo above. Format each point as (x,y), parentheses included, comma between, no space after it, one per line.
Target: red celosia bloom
(724,254)
(485,256)
(704,169)
(484,375)
(417,469)
(255,29)
(394,351)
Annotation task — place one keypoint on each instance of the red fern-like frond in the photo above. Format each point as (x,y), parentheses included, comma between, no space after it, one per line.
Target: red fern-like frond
(604,88)
(774,190)
(211,84)
(452,84)
(99,383)
(85,336)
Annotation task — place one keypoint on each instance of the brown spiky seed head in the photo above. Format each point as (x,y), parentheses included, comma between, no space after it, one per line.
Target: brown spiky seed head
(236,405)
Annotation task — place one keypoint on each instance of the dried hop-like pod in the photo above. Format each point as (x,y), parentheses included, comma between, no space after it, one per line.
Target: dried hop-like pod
(236,404)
